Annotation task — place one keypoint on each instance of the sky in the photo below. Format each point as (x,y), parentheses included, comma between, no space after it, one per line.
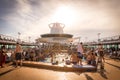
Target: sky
(82,18)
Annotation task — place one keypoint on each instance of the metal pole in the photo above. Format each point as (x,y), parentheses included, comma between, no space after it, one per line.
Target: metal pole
(19,36)
(98,36)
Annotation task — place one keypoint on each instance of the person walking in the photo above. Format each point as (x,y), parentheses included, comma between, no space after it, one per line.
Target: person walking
(100,59)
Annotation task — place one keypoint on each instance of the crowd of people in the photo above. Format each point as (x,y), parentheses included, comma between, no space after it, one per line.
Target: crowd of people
(92,56)
(89,55)
(16,55)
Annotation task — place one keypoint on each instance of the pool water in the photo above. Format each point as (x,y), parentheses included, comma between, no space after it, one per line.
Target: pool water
(61,58)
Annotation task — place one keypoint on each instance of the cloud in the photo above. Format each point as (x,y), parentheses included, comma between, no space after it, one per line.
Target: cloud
(31,17)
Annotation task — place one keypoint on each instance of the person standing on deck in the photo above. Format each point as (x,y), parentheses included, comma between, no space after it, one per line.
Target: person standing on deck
(2,56)
(80,51)
(18,54)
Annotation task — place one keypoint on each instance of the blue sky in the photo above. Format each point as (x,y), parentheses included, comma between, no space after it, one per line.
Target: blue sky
(84,18)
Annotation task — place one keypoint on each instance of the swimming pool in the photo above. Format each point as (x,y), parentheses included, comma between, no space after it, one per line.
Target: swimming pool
(60,58)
